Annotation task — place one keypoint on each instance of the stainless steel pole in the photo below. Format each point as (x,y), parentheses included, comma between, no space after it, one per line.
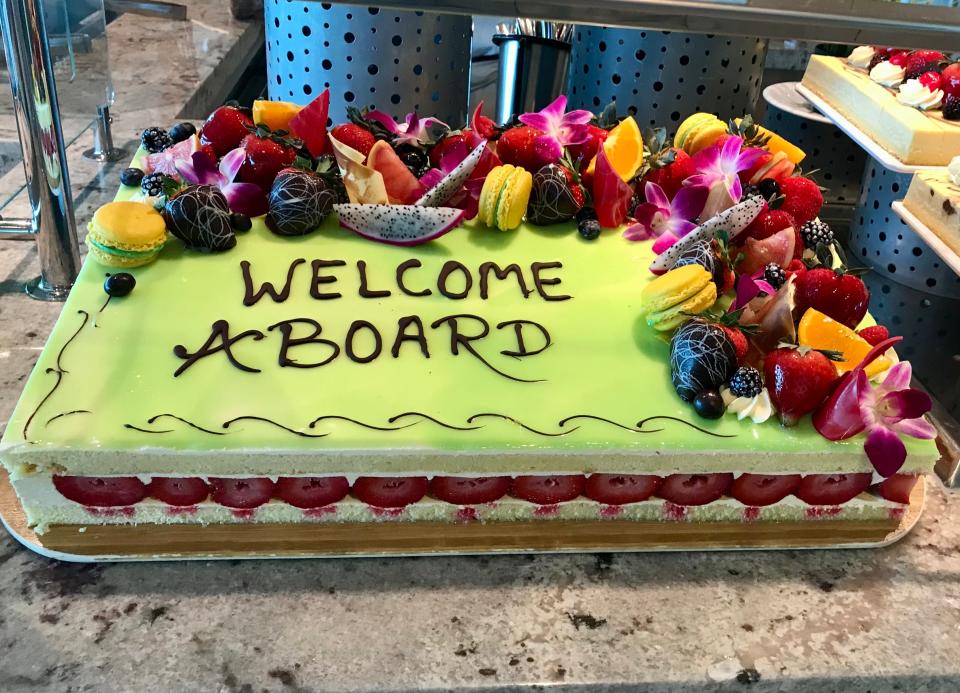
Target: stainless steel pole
(41,138)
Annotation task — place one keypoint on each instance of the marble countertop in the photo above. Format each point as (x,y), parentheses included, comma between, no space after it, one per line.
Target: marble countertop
(876,620)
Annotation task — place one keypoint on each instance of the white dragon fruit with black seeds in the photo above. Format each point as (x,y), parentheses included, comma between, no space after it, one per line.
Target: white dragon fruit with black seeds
(453,181)
(299,200)
(702,357)
(403,225)
(200,217)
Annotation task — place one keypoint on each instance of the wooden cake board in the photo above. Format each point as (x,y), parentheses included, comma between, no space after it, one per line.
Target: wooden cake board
(185,541)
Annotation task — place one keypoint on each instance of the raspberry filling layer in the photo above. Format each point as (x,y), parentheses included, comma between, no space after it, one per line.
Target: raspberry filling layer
(752,490)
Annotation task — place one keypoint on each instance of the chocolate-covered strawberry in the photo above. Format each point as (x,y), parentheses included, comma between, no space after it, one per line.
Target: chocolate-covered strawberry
(299,200)
(705,253)
(702,357)
(556,195)
(267,154)
(200,217)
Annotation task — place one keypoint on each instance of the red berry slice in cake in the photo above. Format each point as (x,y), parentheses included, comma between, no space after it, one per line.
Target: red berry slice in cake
(694,489)
(101,491)
(832,489)
(898,487)
(618,489)
(464,490)
(547,490)
(311,491)
(241,493)
(390,491)
(179,491)
(760,490)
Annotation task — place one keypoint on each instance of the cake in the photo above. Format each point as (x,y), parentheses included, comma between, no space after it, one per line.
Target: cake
(346,361)
(906,101)
(934,198)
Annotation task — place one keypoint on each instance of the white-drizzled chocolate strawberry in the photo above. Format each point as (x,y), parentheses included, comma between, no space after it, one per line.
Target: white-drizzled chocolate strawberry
(200,217)
(299,200)
(556,195)
(702,357)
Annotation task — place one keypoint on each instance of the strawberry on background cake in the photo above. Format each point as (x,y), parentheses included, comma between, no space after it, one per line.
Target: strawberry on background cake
(409,321)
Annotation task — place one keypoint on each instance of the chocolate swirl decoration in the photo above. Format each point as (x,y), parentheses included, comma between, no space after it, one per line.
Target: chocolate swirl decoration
(432,419)
(372,427)
(521,424)
(65,414)
(227,424)
(639,428)
(58,370)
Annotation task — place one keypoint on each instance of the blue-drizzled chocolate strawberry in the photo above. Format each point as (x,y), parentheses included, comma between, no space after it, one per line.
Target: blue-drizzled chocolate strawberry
(702,357)
(556,195)
(200,217)
(299,200)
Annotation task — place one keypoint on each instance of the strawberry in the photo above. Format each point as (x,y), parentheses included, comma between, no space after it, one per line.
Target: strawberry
(586,150)
(455,139)
(898,487)
(225,129)
(767,223)
(694,489)
(483,126)
(267,154)
(518,146)
(241,493)
(669,176)
(618,489)
(750,173)
(796,267)
(922,61)
(465,490)
(950,80)
(311,491)
(101,491)
(798,380)
(832,489)
(739,339)
(390,492)
(899,58)
(179,491)
(802,199)
(874,334)
(842,296)
(547,490)
(759,490)
(354,136)
(931,80)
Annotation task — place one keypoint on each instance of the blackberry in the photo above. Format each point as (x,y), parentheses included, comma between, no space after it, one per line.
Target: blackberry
(746,382)
(131,176)
(769,188)
(635,202)
(152,184)
(814,233)
(181,131)
(589,229)
(413,157)
(775,275)
(750,191)
(155,140)
(586,213)
(951,107)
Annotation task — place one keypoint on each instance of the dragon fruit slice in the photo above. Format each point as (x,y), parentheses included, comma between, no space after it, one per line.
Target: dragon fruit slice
(733,221)
(402,225)
(453,181)
(166,161)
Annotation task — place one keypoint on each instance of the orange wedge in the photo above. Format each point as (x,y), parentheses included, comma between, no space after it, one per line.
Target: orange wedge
(820,331)
(275,114)
(624,149)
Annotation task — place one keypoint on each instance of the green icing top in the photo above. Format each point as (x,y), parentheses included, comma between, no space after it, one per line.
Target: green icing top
(105,382)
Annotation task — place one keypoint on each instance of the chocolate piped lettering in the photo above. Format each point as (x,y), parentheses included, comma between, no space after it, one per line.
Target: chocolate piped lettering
(219,332)
(521,344)
(402,270)
(348,347)
(541,282)
(320,279)
(487,267)
(365,291)
(402,336)
(458,339)
(449,267)
(250,297)
(288,341)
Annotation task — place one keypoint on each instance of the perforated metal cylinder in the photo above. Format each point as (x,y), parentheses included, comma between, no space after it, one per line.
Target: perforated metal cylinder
(660,77)
(839,161)
(880,239)
(395,61)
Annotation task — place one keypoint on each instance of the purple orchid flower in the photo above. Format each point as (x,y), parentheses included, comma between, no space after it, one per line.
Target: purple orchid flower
(718,166)
(414,130)
(559,128)
(664,219)
(889,410)
(243,198)
(748,288)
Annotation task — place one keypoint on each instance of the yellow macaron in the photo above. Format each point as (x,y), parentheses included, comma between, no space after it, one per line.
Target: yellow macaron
(504,197)
(699,131)
(126,234)
(670,298)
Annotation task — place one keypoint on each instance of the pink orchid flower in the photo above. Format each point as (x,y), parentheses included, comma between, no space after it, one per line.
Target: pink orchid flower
(559,128)
(748,288)
(718,166)
(243,198)
(888,410)
(414,130)
(664,219)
